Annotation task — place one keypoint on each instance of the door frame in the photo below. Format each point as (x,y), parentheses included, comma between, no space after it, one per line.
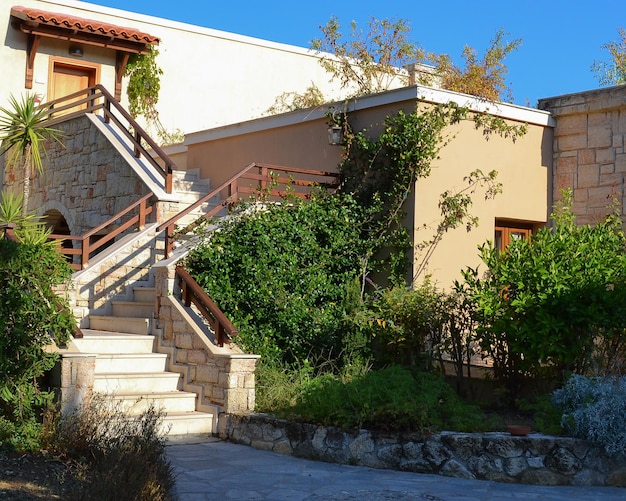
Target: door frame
(93,70)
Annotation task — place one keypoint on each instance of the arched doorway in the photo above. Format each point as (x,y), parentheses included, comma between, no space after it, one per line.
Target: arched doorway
(54,220)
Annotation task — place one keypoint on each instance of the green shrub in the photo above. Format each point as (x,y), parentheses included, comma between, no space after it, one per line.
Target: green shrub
(407,325)
(594,409)
(283,274)
(554,304)
(393,398)
(32,317)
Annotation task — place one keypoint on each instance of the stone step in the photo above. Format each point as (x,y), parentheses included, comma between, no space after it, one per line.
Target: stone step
(130,362)
(138,383)
(133,309)
(130,325)
(144,294)
(171,402)
(101,342)
(188,423)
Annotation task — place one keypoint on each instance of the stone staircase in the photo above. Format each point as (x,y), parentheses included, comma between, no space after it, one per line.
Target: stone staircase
(127,366)
(128,369)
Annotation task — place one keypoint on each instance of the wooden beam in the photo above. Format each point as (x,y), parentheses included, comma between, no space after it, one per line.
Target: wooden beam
(31,50)
(121,59)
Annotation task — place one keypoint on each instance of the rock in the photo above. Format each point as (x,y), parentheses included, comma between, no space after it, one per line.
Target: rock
(617,478)
(457,470)
(562,461)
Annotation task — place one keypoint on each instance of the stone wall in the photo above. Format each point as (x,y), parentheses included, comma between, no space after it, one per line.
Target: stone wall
(588,150)
(222,377)
(85,178)
(534,459)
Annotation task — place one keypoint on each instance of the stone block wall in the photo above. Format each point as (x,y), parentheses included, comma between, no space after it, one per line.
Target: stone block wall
(85,178)
(534,459)
(222,376)
(589,155)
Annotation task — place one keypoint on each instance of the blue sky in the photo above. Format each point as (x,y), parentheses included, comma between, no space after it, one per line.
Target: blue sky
(560,38)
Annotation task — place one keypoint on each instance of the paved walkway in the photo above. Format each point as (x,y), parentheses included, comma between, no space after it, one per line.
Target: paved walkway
(220,471)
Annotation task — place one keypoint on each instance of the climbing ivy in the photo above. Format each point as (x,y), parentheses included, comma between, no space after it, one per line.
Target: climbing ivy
(144,83)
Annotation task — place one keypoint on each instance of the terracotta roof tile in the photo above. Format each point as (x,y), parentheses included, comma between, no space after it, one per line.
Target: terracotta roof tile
(82,25)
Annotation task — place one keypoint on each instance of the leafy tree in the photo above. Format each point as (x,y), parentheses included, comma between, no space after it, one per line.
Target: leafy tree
(23,136)
(556,303)
(369,62)
(614,71)
(484,77)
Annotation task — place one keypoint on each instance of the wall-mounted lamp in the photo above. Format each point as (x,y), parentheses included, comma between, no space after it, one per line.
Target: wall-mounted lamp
(335,127)
(75,51)
(335,135)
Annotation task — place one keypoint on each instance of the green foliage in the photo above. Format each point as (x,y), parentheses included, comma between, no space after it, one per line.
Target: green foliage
(144,83)
(485,77)
(32,316)
(369,62)
(593,409)
(614,71)
(23,135)
(393,398)
(112,455)
(23,435)
(407,325)
(555,303)
(282,272)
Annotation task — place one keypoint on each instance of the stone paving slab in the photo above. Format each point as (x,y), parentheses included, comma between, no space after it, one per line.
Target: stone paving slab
(220,471)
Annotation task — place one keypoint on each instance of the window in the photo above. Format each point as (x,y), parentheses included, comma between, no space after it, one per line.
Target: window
(509,231)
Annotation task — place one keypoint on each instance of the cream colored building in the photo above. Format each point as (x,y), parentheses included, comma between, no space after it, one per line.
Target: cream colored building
(210,77)
(300,139)
(216,87)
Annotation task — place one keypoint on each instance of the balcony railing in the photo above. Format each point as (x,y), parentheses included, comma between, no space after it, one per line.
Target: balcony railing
(97,99)
(270,181)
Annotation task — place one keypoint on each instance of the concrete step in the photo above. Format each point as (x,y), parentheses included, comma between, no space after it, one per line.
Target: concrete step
(138,383)
(189,423)
(100,342)
(171,402)
(128,363)
(133,309)
(130,325)
(144,294)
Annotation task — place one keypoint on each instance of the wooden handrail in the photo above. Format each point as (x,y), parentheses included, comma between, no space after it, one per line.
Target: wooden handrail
(96,98)
(87,248)
(267,177)
(192,293)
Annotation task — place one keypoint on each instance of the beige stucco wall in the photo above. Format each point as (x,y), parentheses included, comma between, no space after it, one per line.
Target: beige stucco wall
(210,77)
(523,167)
(300,139)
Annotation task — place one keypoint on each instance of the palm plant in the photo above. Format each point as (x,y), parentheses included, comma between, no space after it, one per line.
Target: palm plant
(23,134)
(28,227)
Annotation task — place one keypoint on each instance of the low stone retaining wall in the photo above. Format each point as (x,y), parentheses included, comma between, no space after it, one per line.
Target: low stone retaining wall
(534,459)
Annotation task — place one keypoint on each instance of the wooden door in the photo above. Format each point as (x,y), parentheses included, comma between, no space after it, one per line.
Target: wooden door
(67,78)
